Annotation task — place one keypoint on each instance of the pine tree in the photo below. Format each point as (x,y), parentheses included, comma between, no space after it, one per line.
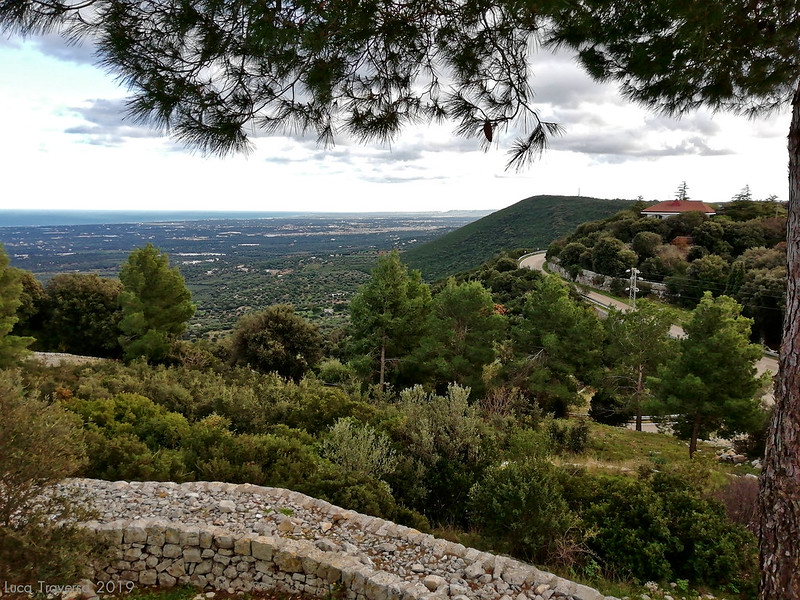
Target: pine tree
(12,347)
(460,334)
(213,72)
(711,385)
(388,316)
(155,304)
(637,343)
(558,343)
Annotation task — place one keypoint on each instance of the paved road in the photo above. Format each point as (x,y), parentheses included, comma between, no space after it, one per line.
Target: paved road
(536,261)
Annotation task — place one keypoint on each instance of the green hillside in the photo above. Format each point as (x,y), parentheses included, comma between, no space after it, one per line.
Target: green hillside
(531,223)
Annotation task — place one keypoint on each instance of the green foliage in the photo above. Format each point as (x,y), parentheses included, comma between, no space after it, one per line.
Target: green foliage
(564,436)
(362,69)
(611,257)
(155,304)
(81,315)
(710,548)
(558,343)
(571,254)
(727,257)
(277,340)
(29,317)
(610,407)
(658,528)
(689,70)
(711,384)
(388,315)
(12,347)
(130,437)
(358,448)
(40,444)
(446,448)
(333,372)
(459,338)
(645,244)
(520,507)
(507,287)
(253,402)
(762,294)
(637,342)
(531,223)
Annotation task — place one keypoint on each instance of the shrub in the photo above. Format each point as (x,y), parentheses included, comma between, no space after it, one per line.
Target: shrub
(358,448)
(520,506)
(660,527)
(609,409)
(567,437)
(40,444)
(277,340)
(709,549)
(630,533)
(446,447)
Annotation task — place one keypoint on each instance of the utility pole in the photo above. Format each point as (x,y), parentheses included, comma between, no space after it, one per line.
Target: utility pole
(632,290)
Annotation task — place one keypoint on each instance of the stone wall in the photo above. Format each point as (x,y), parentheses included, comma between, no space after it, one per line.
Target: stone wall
(321,549)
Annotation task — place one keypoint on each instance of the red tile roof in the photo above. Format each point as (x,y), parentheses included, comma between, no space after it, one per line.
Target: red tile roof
(679,206)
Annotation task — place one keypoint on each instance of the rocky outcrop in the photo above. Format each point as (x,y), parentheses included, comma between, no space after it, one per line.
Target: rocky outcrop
(219,536)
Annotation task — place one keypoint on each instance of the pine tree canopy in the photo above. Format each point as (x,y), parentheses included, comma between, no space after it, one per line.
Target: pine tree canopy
(739,55)
(216,72)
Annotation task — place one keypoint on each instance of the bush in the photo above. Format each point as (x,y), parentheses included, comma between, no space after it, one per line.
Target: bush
(567,437)
(630,533)
(358,448)
(619,287)
(709,549)
(520,506)
(277,340)
(661,527)
(40,444)
(446,446)
(608,409)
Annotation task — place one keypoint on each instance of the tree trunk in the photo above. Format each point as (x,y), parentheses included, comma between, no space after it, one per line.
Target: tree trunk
(639,389)
(779,500)
(382,377)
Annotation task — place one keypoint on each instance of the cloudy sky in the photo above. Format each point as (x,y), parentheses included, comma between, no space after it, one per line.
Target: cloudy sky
(68,146)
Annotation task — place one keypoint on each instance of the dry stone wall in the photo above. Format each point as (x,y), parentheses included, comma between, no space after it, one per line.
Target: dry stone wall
(218,536)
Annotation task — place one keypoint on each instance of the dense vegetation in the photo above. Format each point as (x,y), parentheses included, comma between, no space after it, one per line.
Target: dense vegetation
(739,252)
(531,223)
(237,266)
(437,408)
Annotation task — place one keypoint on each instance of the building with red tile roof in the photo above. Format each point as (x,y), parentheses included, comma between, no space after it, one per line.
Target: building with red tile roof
(670,208)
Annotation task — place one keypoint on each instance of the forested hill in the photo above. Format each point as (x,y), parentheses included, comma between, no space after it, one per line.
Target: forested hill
(531,223)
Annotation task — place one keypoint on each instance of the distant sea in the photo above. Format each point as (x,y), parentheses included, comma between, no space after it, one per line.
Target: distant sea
(38,218)
(33,218)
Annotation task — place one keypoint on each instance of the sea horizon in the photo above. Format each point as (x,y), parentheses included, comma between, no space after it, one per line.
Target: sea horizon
(56,217)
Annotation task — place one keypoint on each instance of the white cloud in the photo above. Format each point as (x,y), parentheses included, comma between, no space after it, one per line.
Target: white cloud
(105,123)
(68,145)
